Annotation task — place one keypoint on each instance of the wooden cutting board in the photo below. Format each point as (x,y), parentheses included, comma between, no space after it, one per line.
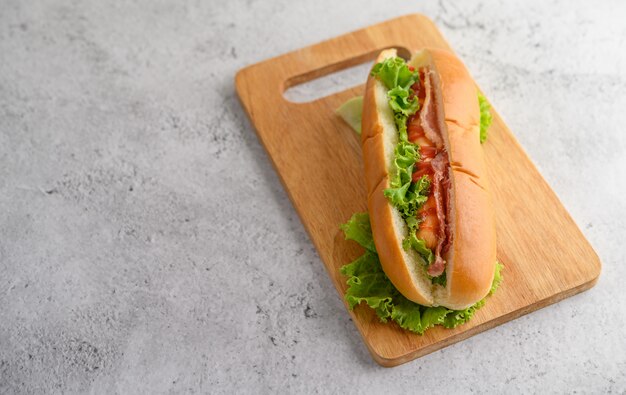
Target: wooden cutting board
(318,158)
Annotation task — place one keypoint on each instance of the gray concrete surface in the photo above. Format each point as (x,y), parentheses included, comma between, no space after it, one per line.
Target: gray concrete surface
(147,246)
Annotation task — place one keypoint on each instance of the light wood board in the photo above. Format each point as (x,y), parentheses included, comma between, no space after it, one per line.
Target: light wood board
(318,158)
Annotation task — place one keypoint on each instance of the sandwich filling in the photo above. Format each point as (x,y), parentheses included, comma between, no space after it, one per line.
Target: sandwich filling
(420,179)
(432,163)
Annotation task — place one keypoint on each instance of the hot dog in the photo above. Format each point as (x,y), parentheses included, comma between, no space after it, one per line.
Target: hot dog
(429,198)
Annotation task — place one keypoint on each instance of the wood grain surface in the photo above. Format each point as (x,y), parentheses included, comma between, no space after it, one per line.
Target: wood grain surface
(318,158)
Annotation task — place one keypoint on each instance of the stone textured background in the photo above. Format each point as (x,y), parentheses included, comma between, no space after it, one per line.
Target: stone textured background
(147,246)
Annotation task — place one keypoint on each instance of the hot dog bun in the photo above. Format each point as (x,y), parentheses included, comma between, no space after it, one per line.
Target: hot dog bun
(470,259)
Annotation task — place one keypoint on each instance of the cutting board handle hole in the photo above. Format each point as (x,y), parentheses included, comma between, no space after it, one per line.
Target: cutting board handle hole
(333,78)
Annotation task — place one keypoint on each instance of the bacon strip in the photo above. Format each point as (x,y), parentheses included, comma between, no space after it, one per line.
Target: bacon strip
(428,114)
(422,130)
(440,166)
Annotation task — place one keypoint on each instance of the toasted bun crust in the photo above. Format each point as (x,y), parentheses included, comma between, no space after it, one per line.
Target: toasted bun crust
(471,258)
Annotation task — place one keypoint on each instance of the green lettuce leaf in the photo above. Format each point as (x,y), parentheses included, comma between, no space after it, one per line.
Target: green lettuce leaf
(400,120)
(373,289)
(366,263)
(359,229)
(394,72)
(368,283)
(400,102)
(404,194)
(405,155)
(442,279)
(458,317)
(416,318)
(419,245)
(351,112)
(485,116)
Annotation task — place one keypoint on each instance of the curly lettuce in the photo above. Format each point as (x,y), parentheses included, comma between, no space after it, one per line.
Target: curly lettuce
(394,72)
(367,283)
(419,245)
(359,229)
